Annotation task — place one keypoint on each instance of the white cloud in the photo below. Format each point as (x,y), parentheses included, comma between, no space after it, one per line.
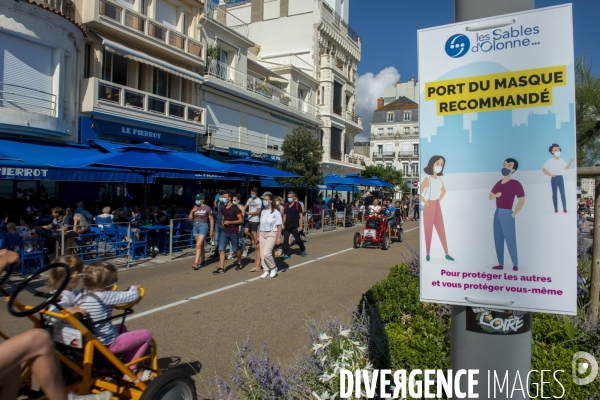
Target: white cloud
(369,88)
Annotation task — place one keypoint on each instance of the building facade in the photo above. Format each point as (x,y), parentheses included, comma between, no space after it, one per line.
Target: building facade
(588,188)
(311,44)
(394,140)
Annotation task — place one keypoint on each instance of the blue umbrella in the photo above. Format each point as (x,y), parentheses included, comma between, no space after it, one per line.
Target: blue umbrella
(359,180)
(248,160)
(9,158)
(145,159)
(376,181)
(255,169)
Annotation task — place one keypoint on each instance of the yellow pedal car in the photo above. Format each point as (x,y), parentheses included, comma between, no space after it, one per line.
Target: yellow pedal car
(87,365)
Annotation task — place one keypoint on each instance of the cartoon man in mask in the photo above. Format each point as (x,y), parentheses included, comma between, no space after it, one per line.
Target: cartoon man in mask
(505,191)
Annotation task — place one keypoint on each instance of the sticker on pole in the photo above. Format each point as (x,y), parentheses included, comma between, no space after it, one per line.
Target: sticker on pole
(499,178)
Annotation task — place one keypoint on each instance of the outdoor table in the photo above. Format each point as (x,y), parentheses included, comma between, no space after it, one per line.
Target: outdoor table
(152,230)
(55,238)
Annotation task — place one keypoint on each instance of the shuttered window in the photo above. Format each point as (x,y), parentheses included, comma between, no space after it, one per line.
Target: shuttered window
(26,75)
(166,13)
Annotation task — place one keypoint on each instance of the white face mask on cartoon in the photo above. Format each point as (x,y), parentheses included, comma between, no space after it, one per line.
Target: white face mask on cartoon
(557,154)
(437,169)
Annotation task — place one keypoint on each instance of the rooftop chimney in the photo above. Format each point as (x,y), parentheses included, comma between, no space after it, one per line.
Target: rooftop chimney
(380,103)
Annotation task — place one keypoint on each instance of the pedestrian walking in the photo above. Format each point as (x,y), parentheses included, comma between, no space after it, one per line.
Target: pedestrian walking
(203,225)
(219,204)
(253,208)
(231,220)
(269,234)
(241,244)
(292,222)
(416,205)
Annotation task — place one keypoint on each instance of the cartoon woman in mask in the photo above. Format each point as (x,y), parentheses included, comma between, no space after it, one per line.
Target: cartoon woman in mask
(554,168)
(433,190)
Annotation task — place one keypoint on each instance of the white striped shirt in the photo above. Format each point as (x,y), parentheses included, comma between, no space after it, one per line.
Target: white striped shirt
(99,307)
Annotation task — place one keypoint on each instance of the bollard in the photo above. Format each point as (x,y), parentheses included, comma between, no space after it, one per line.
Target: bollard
(171,240)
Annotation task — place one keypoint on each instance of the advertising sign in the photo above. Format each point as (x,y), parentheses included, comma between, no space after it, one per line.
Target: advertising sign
(498,185)
(239,152)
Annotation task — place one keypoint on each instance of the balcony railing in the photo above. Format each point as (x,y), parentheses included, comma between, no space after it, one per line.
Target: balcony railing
(336,20)
(407,154)
(64,6)
(339,64)
(220,14)
(337,110)
(27,99)
(225,138)
(354,159)
(335,155)
(288,59)
(133,98)
(388,154)
(153,29)
(352,117)
(275,94)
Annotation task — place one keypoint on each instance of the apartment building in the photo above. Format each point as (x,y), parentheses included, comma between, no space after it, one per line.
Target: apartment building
(312,46)
(394,140)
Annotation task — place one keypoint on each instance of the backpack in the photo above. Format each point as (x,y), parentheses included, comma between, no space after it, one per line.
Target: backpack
(286,207)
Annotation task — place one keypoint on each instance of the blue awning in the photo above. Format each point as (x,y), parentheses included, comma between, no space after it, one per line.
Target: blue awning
(37,155)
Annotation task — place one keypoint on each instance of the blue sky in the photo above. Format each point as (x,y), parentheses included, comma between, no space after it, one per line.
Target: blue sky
(388,29)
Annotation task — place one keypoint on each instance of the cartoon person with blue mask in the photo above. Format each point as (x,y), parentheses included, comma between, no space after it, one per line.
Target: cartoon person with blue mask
(555,168)
(504,192)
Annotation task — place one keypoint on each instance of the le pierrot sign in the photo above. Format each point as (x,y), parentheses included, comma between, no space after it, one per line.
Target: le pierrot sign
(498,180)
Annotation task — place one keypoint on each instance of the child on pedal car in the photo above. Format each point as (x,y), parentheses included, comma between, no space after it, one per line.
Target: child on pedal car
(69,294)
(98,298)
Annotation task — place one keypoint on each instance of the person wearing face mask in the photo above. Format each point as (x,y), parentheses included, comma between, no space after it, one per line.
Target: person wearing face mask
(242,244)
(231,220)
(554,168)
(505,191)
(253,208)
(292,223)
(269,235)
(220,203)
(203,226)
(433,192)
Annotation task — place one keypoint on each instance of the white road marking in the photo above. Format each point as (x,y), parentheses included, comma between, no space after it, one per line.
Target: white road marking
(199,296)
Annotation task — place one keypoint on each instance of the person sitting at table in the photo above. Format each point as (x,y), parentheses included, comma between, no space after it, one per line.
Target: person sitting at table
(105,218)
(68,217)
(26,230)
(72,242)
(59,221)
(316,215)
(79,209)
(136,213)
(120,217)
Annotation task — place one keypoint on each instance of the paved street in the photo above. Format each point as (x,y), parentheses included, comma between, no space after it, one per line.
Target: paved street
(198,319)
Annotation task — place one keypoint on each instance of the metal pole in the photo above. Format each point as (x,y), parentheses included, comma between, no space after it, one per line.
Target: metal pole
(62,240)
(595,289)
(171,240)
(472,350)
(129,245)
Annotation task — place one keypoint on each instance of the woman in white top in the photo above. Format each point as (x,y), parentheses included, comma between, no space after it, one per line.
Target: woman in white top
(554,168)
(433,190)
(375,208)
(269,235)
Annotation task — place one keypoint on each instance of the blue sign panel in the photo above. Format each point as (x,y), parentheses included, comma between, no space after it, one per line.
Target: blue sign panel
(239,152)
(95,128)
(270,157)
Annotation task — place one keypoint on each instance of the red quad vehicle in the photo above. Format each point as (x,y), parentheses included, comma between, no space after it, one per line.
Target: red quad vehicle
(375,232)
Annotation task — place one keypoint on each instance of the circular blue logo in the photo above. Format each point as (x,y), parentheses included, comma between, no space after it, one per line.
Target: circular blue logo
(457,45)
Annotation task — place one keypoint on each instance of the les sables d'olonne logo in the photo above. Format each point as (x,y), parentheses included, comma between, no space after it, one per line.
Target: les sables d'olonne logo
(457,45)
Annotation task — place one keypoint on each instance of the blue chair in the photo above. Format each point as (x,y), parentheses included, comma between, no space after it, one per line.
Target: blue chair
(140,244)
(89,248)
(35,257)
(101,221)
(112,241)
(13,241)
(175,238)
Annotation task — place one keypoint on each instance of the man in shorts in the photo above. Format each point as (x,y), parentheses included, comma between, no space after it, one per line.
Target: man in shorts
(231,220)
(253,209)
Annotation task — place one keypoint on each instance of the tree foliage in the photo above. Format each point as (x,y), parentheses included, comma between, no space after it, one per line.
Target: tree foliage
(302,155)
(587,111)
(390,175)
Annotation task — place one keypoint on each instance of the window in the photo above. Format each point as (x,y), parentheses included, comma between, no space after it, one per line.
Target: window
(415,169)
(407,116)
(380,149)
(407,130)
(415,149)
(322,101)
(388,165)
(166,14)
(114,68)
(390,117)
(162,83)
(86,61)
(187,25)
(300,94)
(379,164)
(380,131)
(405,169)
(416,130)
(390,131)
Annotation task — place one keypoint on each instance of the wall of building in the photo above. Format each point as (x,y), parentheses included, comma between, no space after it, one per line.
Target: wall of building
(39,51)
